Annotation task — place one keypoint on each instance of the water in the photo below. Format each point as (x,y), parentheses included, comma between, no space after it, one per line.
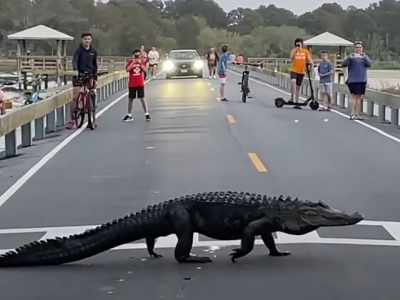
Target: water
(16,95)
(383,79)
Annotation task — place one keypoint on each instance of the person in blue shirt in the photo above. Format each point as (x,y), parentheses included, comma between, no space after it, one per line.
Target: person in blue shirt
(223,70)
(325,72)
(357,64)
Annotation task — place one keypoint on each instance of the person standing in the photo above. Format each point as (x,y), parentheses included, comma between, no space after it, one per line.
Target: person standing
(144,57)
(136,67)
(301,59)
(222,70)
(154,57)
(325,72)
(83,61)
(240,59)
(3,100)
(212,62)
(357,64)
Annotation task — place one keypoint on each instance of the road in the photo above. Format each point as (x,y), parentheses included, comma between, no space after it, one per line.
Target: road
(196,143)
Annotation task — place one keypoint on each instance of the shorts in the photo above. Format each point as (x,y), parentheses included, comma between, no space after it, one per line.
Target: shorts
(357,88)
(297,77)
(136,92)
(152,64)
(326,87)
(77,81)
(212,64)
(222,77)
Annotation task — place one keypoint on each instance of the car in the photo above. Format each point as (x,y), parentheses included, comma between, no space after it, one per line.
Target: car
(185,62)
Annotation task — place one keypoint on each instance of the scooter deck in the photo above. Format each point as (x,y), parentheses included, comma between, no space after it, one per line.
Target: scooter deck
(297,104)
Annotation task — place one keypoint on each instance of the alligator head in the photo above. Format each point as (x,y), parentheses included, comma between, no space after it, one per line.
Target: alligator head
(306,216)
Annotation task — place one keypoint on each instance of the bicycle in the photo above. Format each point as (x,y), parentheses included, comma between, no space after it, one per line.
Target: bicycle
(245,89)
(83,106)
(34,97)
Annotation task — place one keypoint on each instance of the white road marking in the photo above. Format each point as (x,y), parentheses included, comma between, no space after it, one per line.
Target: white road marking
(377,130)
(170,241)
(32,171)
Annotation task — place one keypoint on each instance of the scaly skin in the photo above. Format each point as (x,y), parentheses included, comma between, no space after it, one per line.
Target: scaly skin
(218,215)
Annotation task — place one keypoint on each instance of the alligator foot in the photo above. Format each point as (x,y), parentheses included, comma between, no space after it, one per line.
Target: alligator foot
(155,254)
(280,253)
(194,259)
(236,253)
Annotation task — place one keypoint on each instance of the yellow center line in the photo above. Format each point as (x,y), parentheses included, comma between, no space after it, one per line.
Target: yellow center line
(257,162)
(231,119)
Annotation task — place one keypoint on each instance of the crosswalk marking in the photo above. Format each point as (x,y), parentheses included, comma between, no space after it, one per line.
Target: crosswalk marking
(393,228)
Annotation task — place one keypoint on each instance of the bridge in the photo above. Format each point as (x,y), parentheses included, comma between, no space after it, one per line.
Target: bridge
(61,182)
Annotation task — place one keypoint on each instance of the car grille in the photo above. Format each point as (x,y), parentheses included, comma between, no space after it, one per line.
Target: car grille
(184,66)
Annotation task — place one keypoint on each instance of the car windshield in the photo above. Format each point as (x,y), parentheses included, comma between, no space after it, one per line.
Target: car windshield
(183,55)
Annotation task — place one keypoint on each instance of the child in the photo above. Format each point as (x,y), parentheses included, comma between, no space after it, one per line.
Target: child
(325,72)
(223,70)
(136,67)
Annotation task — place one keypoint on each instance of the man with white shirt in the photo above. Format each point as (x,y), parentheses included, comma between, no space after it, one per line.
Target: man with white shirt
(153,57)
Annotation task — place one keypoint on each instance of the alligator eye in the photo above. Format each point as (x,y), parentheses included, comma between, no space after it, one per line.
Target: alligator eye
(324,205)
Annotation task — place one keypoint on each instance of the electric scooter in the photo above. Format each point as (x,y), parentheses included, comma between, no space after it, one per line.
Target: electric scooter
(314,104)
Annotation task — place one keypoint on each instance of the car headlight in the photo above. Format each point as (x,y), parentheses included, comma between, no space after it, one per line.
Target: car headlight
(198,65)
(168,65)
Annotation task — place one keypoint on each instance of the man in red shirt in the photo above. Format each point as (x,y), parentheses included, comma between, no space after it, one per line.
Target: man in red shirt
(136,68)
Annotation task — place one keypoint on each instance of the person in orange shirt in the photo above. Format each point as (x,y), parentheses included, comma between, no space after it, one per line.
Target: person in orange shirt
(301,59)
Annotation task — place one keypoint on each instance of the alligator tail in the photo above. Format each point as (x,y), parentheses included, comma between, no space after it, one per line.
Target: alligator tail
(77,247)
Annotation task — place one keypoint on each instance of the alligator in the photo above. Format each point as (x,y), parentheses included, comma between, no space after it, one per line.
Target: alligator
(218,215)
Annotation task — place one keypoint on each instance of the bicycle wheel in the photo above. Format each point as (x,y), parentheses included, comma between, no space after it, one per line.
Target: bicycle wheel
(79,114)
(89,111)
(245,88)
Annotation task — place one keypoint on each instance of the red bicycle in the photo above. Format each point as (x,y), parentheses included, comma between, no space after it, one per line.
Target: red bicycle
(86,103)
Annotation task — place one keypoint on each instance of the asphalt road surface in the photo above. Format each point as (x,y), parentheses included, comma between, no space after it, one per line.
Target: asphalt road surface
(195,143)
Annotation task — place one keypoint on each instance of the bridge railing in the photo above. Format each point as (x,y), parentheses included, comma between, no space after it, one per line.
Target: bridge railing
(23,126)
(278,63)
(384,106)
(55,65)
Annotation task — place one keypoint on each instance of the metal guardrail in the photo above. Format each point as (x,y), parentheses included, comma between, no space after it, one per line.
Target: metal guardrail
(378,104)
(49,115)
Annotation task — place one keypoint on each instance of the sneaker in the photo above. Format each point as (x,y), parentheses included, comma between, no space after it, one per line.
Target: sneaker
(70,125)
(148,118)
(128,118)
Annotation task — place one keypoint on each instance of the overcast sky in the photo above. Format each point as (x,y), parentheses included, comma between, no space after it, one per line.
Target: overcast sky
(298,7)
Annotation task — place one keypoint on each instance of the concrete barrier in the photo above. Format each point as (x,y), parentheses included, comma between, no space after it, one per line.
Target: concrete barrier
(49,115)
(383,106)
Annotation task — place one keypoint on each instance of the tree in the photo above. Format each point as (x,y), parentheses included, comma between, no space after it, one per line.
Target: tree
(119,26)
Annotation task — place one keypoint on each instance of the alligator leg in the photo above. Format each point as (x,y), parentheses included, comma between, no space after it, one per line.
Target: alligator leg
(269,241)
(150,242)
(248,238)
(181,223)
